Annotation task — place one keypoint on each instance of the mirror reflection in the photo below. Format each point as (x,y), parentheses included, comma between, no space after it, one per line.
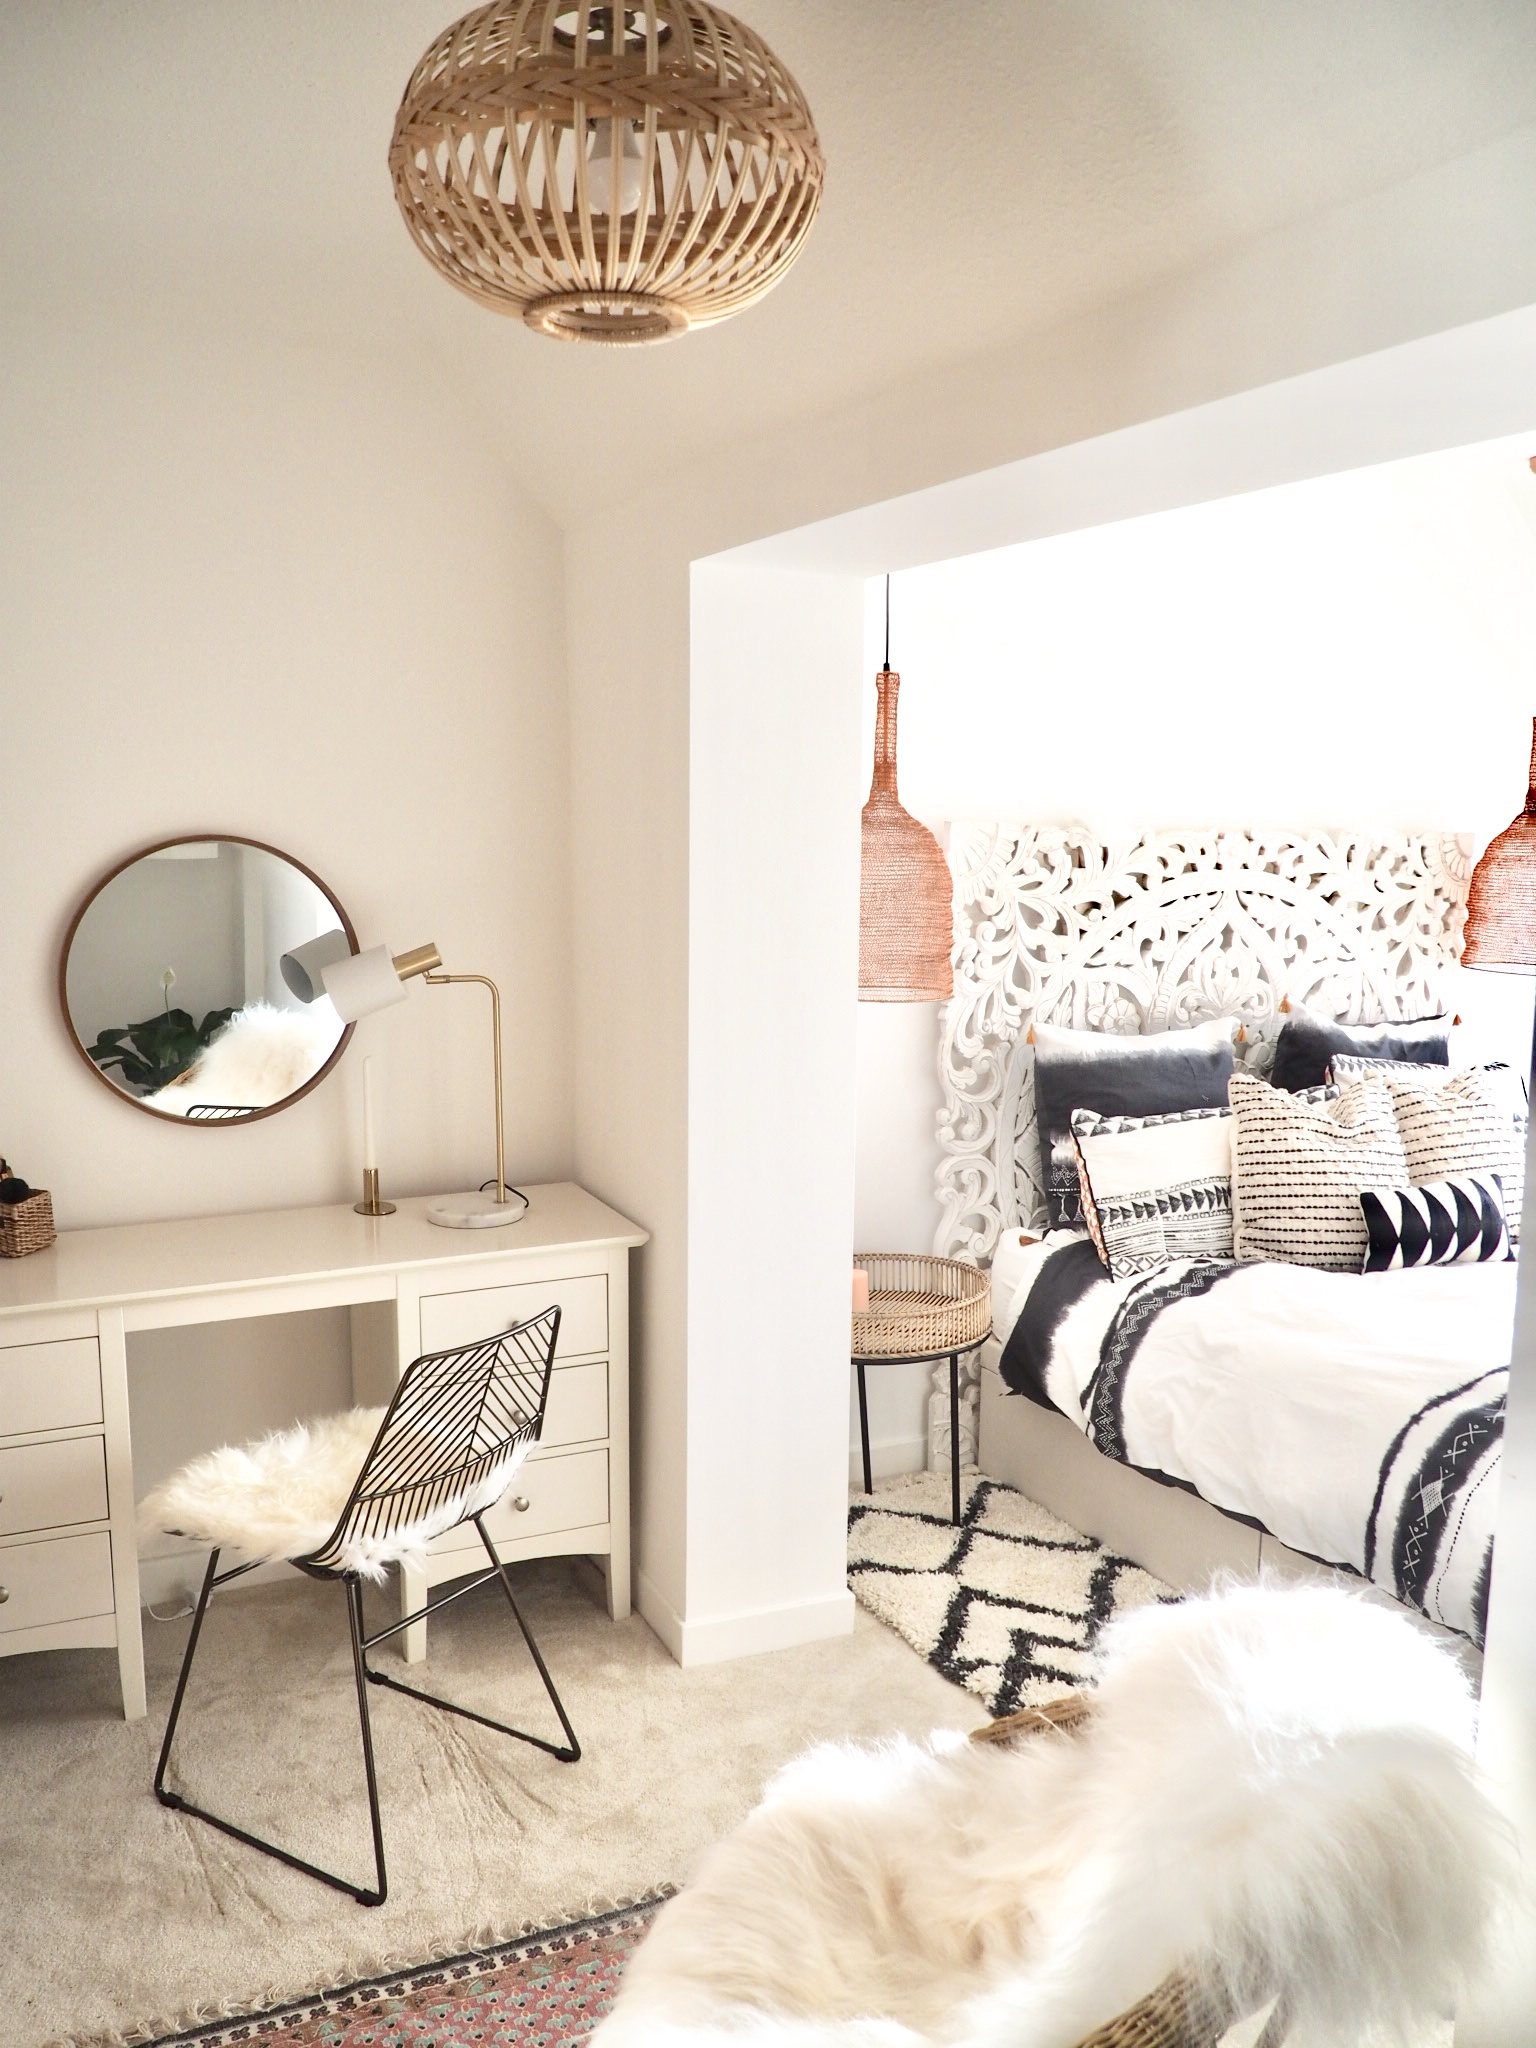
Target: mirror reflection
(173,982)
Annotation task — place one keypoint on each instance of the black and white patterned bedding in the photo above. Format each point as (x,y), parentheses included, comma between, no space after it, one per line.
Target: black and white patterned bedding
(1358,1418)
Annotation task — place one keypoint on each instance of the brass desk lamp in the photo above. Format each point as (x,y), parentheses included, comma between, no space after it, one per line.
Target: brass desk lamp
(360,983)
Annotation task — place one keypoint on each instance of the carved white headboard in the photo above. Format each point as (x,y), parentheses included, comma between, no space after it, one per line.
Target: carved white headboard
(1158,931)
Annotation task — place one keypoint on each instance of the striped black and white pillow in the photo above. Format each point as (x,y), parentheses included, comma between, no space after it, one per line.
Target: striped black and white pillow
(1456,1122)
(1440,1223)
(1298,1169)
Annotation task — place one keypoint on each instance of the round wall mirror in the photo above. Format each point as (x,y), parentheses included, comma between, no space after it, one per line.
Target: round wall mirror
(176,988)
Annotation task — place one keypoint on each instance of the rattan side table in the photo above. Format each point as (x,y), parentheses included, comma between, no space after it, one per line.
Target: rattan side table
(921,1309)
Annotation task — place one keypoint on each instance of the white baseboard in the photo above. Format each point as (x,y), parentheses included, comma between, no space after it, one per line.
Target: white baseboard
(721,1637)
(659,1616)
(888,1457)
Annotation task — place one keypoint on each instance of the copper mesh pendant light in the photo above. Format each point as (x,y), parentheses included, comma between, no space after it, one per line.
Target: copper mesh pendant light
(1501,900)
(906,896)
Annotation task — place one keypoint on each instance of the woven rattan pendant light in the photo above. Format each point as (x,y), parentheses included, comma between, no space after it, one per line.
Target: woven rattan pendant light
(1501,899)
(906,897)
(609,173)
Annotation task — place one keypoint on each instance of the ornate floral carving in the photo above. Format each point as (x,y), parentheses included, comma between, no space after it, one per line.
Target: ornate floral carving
(1159,931)
(938,1413)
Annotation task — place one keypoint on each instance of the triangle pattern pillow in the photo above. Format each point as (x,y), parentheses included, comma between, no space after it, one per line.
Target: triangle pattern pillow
(1441,1223)
(1155,1187)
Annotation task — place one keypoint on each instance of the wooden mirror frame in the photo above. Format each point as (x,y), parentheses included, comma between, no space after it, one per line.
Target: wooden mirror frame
(134,1102)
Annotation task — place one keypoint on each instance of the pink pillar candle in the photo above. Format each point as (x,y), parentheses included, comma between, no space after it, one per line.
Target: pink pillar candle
(860,1290)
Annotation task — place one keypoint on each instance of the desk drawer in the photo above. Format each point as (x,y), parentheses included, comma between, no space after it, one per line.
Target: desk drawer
(49,1386)
(65,1579)
(569,1492)
(464,1318)
(47,1486)
(578,1406)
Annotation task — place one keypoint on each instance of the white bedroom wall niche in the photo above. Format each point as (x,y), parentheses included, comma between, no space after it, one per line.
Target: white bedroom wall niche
(636,749)
(1285,656)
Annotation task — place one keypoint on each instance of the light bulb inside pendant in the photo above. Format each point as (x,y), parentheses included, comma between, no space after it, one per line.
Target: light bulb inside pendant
(600,169)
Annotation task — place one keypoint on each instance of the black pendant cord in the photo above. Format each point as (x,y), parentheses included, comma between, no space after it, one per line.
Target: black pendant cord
(887,622)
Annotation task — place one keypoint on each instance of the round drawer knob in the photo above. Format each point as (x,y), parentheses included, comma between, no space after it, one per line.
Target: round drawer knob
(521,1504)
(5,1594)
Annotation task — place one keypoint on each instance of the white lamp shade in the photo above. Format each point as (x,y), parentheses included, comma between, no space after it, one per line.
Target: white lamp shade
(362,983)
(304,968)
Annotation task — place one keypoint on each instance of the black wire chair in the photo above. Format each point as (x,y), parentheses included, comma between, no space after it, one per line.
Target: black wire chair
(460,1424)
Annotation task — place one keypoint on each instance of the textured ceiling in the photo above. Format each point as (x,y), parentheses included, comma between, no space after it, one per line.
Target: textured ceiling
(994,167)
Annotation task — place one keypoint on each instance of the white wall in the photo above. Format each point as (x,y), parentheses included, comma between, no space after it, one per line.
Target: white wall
(1353,651)
(281,592)
(895,1208)
(1355,648)
(772,750)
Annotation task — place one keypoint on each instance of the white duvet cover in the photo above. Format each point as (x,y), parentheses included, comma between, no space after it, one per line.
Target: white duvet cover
(1356,1417)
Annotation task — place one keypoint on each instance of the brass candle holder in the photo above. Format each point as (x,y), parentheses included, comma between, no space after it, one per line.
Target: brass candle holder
(370,1205)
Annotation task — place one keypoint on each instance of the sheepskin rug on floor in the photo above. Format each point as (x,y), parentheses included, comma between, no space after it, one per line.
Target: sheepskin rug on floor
(1273,1794)
(1010,1605)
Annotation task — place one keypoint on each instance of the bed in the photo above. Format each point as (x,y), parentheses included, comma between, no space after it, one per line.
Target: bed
(1214,1414)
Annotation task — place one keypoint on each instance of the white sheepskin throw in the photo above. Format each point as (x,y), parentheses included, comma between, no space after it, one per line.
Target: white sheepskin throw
(282,1497)
(1274,1787)
(262,1055)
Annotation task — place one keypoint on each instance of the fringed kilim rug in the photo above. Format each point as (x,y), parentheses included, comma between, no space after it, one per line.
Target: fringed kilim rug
(543,1991)
(1009,1605)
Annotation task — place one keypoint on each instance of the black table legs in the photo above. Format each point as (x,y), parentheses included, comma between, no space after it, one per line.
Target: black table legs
(858,1366)
(954,1426)
(954,1435)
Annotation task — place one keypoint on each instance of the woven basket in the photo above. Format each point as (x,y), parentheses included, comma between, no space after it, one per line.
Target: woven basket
(1181,2012)
(26,1226)
(919,1304)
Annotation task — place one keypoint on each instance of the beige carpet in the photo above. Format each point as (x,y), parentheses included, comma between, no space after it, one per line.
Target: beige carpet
(117,1915)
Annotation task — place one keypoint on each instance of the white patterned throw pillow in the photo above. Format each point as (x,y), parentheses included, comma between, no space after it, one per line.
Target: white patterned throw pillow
(1156,1187)
(1298,1169)
(1442,1223)
(1454,1122)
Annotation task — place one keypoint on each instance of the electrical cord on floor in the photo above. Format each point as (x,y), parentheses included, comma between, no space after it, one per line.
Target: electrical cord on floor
(175,1613)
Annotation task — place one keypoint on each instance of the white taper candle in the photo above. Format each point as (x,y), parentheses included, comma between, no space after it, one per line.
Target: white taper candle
(370,1149)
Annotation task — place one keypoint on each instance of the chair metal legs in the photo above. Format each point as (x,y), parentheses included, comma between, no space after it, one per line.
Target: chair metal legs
(571,1751)
(365,1895)
(363,1676)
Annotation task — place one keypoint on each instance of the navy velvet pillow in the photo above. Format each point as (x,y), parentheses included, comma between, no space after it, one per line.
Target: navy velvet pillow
(1307,1043)
(1118,1076)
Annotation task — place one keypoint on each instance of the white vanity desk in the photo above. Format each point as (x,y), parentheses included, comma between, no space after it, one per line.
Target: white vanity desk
(69,1570)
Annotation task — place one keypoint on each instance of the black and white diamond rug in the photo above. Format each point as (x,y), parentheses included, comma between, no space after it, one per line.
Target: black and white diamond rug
(1009,1605)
